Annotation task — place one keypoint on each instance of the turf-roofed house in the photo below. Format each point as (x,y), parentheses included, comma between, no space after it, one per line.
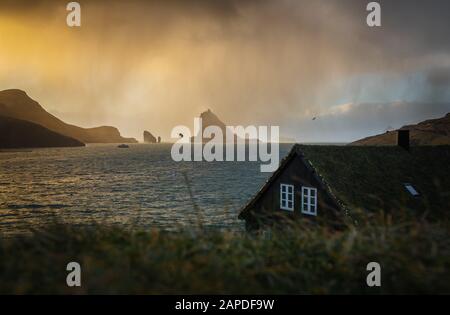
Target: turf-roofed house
(334,182)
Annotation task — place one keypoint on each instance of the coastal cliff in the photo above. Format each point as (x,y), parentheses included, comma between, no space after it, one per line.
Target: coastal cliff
(16,133)
(17,104)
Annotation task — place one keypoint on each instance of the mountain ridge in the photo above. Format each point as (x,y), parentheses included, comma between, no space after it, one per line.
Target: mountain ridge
(16,133)
(17,104)
(428,132)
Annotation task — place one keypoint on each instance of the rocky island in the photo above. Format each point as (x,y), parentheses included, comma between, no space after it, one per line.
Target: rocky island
(149,138)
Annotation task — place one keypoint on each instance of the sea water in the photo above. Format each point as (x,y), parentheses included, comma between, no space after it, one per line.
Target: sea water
(139,187)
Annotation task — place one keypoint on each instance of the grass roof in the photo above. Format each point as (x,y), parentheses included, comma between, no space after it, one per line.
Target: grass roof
(372,178)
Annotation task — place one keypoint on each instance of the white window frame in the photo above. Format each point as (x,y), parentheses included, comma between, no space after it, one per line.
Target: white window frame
(288,192)
(309,200)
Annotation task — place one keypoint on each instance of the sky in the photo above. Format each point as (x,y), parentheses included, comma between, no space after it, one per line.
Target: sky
(152,65)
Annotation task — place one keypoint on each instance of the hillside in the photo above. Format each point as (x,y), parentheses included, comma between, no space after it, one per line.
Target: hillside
(429,132)
(17,104)
(15,133)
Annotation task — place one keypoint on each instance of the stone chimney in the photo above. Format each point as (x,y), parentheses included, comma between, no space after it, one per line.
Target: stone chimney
(403,139)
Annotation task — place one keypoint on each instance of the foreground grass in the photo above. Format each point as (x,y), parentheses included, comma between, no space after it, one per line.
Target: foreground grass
(415,258)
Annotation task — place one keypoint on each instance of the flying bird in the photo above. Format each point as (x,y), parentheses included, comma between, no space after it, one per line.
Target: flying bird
(314,118)
(181,135)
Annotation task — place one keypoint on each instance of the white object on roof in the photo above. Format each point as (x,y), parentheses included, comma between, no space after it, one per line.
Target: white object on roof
(410,188)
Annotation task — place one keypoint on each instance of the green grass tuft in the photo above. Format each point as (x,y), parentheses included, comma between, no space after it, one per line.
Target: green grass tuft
(414,256)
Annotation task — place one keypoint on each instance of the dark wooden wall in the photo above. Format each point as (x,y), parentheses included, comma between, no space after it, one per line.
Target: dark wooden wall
(296,173)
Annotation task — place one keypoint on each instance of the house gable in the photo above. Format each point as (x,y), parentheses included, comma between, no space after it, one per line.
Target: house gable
(294,171)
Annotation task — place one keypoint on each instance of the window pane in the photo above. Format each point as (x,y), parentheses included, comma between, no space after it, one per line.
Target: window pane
(309,200)
(286,197)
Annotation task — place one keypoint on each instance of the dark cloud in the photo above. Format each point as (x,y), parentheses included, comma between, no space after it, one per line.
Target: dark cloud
(439,78)
(410,27)
(215,7)
(251,61)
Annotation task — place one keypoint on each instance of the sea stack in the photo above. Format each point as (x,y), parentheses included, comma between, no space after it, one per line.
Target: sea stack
(148,137)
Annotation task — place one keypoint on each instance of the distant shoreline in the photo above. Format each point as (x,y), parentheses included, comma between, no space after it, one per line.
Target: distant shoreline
(20,150)
(15,150)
